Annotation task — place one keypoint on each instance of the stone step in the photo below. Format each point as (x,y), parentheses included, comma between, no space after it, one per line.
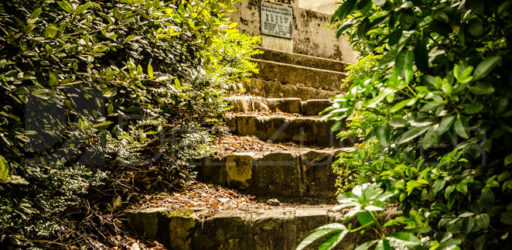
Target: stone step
(313,131)
(274,89)
(301,60)
(289,73)
(280,228)
(288,105)
(306,173)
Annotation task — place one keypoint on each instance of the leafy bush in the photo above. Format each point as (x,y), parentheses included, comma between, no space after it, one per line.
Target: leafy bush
(364,202)
(115,92)
(432,102)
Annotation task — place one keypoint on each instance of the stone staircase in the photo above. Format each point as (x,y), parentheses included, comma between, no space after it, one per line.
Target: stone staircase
(280,106)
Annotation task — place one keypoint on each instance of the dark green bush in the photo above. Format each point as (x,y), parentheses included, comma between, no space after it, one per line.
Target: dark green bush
(431,99)
(119,94)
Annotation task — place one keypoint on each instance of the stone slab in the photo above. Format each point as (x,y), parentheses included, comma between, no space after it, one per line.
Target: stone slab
(281,229)
(311,131)
(243,104)
(274,174)
(274,89)
(231,229)
(289,73)
(301,60)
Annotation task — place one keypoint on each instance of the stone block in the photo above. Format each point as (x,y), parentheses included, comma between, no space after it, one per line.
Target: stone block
(273,89)
(181,232)
(311,77)
(288,105)
(317,172)
(315,106)
(239,170)
(276,174)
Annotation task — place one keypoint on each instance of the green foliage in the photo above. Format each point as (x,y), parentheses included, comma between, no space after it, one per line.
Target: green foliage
(364,202)
(118,93)
(431,100)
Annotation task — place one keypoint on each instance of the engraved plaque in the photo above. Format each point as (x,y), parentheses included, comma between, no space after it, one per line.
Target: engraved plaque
(276,20)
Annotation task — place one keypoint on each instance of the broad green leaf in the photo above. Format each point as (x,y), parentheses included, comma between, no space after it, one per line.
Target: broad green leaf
(366,245)
(384,134)
(129,38)
(398,123)
(461,127)
(65,5)
(446,87)
(383,245)
(412,133)
(486,66)
(337,126)
(486,199)
(389,56)
(466,72)
(449,243)
(473,108)
(321,232)
(482,88)
(82,8)
(445,124)
(150,71)
(429,81)
(35,14)
(156,4)
(470,224)
(508,159)
(363,28)
(332,241)
(438,185)
(403,63)
(506,218)
(364,218)
(401,105)
(394,37)
(421,55)
(456,71)
(431,137)
(345,9)
(4,169)
(100,48)
(403,239)
(382,94)
(482,220)
(463,75)
(361,5)
(479,243)
(51,31)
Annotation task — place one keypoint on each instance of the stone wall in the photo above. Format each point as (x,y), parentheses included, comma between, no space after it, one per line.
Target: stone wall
(310,33)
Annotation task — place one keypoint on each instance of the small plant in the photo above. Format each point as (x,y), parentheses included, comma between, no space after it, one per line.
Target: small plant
(364,202)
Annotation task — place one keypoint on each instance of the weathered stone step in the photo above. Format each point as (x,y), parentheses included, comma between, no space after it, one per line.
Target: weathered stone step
(274,89)
(304,173)
(313,131)
(235,229)
(301,60)
(288,105)
(289,73)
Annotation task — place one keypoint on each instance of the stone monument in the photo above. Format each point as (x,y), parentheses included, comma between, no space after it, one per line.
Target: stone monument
(285,26)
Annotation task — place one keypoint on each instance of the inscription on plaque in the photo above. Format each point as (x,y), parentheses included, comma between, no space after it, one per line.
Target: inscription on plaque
(276,20)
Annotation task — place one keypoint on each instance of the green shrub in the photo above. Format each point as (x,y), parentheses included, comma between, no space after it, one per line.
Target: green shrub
(432,101)
(120,94)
